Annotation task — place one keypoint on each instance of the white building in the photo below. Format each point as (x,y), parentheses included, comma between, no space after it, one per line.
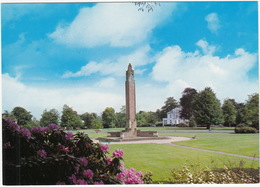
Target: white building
(173,117)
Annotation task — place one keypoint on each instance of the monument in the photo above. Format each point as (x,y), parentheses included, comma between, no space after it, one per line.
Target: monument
(130,132)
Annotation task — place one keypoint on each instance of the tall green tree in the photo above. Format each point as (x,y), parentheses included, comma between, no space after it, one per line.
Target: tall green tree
(229,113)
(207,108)
(88,119)
(188,96)
(109,117)
(21,115)
(70,118)
(240,111)
(169,104)
(121,117)
(48,117)
(251,110)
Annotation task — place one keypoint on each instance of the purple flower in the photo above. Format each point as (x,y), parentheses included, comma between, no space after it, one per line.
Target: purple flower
(109,160)
(53,126)
(99,183)
(25,132)
(63,148)
(88,174)
(81,182)
(42,153)
(6,145)
(76,169)
(104,147)
(83,161)
(39,130)
(12,125)
(60,183)
(69,136)
(118,153)
(73,178)
(130,176)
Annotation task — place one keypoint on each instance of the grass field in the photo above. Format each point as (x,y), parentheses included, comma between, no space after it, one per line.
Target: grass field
(160,159)
(243,144)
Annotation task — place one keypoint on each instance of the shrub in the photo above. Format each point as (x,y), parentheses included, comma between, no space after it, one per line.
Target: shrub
(48,156)
(196,175)
(182,125)
(245,129)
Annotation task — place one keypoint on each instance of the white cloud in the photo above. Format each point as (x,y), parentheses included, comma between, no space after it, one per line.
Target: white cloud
(108,82)
(17,11)
(227,76)
(115,67)
(213,22)
(82,99)
(114,24)
(206,48)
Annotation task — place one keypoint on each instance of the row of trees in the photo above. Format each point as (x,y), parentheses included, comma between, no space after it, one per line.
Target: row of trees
(202,108)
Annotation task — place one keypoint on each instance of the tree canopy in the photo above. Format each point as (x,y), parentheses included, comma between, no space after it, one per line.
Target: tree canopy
(251,110)
(229,113)
(70,118)
(21,115)
(188,96)
(109,117)
(207,108)
(169,104)
(48,117)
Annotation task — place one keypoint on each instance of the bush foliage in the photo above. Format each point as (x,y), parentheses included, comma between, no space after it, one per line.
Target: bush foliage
(241,128)
(48,156)
(193,174)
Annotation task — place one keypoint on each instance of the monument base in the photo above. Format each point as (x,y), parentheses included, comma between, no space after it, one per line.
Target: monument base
(130,135)
(118,139)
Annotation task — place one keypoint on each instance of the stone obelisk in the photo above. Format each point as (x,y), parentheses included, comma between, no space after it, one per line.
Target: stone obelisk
(130,100)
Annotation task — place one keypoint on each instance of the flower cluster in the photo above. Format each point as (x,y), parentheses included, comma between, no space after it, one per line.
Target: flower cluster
(26,133)
(48,156)
(118,153)
(104,147)
(12,125)
(130,176)
(42,153)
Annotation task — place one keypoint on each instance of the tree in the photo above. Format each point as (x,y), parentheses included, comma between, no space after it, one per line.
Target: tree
(121,117)
(146,117)
(88,119)
(48,117)
(188,96)
(109,117)
(70,118)
(240,111)
(21,115)
(207,108)
(251,110)
(8,115)
(169,104)
(229,113)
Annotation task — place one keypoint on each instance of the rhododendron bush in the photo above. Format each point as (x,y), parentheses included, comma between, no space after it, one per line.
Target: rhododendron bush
(48,155)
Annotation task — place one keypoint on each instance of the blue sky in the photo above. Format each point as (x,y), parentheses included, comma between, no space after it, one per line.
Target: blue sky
(77,53)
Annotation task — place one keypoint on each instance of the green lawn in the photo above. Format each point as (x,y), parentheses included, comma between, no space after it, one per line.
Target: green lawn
(243,144)
(160,159)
